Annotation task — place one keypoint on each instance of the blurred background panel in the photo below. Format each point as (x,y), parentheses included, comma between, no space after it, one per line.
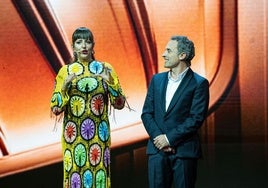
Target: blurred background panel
(231,51)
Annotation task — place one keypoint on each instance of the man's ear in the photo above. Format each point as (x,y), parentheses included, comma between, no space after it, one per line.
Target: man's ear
(182,56)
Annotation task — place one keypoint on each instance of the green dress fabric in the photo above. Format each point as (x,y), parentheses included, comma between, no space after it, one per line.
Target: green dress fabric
(86,135)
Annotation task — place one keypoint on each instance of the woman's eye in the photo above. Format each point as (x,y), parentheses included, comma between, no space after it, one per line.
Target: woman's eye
(80,41)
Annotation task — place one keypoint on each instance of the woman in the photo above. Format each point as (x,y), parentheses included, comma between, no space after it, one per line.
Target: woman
(84,90)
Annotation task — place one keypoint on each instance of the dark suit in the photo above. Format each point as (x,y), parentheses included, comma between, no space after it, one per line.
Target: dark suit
(180,122)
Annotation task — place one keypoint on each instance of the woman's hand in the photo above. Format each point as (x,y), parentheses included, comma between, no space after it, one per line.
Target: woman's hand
(106,75)
(67,81)
(56,110)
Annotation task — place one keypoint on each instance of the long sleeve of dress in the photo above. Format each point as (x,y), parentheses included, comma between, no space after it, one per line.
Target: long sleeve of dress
(59,97)
(116,95)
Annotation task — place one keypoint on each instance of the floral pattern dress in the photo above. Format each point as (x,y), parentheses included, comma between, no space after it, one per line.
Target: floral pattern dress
(86,135)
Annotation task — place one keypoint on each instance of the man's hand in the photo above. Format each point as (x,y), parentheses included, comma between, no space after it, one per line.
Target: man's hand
(161,141)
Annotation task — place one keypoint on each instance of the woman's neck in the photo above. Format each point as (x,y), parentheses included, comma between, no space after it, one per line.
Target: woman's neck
(85,61)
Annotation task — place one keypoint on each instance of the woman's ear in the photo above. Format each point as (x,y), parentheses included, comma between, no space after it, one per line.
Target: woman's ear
(182,56)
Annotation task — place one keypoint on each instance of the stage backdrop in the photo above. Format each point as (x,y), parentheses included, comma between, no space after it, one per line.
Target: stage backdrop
(131,35)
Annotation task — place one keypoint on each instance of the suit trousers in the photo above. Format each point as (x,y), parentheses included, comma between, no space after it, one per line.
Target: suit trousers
(167,169)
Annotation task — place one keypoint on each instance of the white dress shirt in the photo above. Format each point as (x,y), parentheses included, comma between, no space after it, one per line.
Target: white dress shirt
(173,86)
(171,89)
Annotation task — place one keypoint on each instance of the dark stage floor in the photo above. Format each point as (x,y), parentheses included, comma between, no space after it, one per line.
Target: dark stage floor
(234,165)
(225,165)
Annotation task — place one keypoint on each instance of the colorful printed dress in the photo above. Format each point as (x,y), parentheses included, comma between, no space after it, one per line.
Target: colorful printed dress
(86,130)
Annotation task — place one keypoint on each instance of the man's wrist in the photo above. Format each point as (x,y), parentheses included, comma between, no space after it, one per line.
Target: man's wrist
(167,139)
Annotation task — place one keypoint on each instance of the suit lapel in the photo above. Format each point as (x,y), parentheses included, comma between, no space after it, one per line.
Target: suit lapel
(180,90)
(163,87)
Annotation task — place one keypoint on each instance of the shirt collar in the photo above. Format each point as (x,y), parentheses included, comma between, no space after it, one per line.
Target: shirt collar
(180,77)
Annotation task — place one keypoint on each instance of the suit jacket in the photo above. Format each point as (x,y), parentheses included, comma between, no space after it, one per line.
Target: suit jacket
(184,116)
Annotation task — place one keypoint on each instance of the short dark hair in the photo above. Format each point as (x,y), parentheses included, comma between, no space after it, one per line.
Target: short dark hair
(185,45)
(82,33)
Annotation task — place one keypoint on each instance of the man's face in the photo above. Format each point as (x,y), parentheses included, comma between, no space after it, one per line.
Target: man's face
(171,55)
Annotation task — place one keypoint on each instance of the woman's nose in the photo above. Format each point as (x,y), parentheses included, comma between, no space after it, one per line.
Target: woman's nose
(84,44)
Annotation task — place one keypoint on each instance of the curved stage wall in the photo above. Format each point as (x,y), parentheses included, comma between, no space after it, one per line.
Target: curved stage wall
(131,35)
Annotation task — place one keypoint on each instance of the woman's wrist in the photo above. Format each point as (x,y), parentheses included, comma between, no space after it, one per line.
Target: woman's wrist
(65,87)
(110,80)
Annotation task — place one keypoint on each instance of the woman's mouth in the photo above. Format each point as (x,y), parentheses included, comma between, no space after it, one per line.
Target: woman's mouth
(84,52)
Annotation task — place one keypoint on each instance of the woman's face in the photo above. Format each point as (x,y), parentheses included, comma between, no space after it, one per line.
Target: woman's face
(83,48)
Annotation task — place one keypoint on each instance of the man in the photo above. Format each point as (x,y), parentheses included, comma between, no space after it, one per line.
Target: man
(175,107)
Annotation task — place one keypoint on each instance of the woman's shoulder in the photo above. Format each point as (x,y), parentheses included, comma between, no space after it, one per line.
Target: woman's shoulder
(106,64)
(63,68)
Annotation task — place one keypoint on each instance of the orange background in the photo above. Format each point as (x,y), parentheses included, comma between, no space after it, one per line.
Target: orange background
(231,51)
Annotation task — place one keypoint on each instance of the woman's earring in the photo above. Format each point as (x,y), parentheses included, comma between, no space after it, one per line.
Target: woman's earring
(93,52)
(75,54)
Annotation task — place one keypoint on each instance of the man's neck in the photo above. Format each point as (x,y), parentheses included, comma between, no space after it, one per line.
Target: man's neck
(175,71)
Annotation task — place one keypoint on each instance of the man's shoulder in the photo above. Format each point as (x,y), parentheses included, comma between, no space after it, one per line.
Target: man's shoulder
(198,77)
(160,75)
